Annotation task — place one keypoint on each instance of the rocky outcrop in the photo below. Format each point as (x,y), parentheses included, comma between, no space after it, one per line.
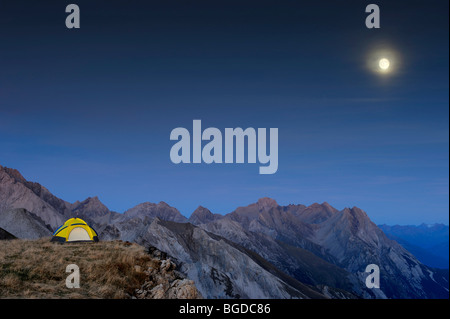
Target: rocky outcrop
(163,281)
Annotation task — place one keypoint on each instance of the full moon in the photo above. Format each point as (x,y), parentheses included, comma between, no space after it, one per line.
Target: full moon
(384,64)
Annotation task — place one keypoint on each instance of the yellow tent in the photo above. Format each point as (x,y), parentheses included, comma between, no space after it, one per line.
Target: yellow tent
(75,230)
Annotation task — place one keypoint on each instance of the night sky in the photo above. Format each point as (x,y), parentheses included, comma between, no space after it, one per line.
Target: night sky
(89,111)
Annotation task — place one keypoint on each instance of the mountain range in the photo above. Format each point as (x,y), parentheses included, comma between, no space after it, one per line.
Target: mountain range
(428,242)
(263,250)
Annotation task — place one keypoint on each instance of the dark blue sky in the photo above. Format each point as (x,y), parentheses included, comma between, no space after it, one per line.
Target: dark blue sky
(89,112)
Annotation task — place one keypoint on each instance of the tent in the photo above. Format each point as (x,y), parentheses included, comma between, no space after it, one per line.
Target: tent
(75,230)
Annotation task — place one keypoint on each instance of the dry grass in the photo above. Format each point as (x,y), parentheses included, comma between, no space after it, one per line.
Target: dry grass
(37,269)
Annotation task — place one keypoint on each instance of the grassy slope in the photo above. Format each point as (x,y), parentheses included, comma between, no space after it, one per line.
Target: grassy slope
(37,269)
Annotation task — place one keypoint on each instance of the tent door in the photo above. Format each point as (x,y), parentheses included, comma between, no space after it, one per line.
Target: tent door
(77,234)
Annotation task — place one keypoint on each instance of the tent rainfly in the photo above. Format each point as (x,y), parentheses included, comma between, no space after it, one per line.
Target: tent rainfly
(75,230)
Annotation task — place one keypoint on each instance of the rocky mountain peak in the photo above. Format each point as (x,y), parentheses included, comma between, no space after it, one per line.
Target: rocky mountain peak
(202,211)
(355,222)
(13,173)
(163,204)
(246,214)
(152,210)
(315,213)
(17,192)
(266,203)
(357,213)
(202,215)
(90,207)
(328,207)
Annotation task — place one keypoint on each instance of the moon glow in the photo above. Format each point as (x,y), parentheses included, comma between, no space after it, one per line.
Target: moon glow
(384,64)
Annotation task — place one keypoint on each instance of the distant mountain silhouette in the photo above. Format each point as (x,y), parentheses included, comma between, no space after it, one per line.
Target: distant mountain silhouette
(429,243)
